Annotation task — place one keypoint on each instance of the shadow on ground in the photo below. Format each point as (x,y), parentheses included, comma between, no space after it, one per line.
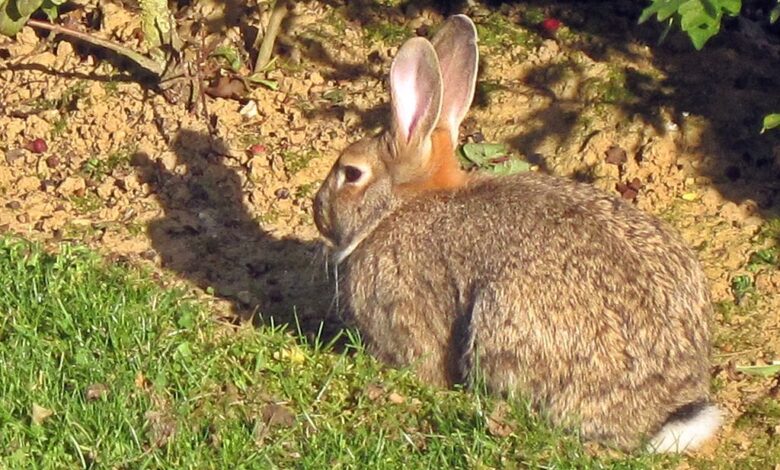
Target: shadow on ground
(209,237)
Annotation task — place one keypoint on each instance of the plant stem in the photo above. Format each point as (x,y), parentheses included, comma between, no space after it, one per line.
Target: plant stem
(267,47)
(135,56)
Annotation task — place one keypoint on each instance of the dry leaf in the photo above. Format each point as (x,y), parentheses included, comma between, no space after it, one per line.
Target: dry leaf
(140,380)
(294,355)
(497,422)
(275,415)
(39,414)
(396,398)
(374,392)
(615,155)
(161,427)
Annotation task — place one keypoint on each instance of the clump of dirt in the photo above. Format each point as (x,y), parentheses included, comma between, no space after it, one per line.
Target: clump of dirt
(224,201)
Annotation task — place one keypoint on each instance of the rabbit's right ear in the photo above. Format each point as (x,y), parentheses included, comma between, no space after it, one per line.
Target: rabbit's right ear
(416,91)
(456,48)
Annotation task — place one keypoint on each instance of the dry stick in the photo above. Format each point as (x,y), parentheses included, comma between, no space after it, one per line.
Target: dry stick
(135,56)
(267,47)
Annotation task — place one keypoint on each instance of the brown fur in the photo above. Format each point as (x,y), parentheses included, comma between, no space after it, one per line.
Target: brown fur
(540,286)
(592,309)
(443,170)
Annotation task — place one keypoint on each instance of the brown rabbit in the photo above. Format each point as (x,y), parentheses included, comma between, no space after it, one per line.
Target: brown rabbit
(541,286)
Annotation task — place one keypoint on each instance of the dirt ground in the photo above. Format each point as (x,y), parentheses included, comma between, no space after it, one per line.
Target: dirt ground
(228,209)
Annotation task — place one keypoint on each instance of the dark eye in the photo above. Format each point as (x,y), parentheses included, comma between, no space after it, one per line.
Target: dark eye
(352,174)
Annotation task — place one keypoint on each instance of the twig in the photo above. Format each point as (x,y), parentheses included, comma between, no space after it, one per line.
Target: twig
(267,47)
(135,56)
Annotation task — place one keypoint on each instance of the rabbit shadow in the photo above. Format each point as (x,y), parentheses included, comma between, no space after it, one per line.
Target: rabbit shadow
(208,236)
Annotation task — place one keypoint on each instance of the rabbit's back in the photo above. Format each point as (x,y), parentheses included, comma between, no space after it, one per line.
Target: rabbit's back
(573,297)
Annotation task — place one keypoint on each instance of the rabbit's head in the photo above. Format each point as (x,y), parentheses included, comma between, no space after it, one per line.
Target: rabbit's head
(431,86)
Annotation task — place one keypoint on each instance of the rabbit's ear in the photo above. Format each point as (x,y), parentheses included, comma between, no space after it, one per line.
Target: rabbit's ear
(416,89)
(456,48)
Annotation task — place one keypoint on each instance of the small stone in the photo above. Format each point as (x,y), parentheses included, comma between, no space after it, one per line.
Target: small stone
(72,185)
(52,161)
(14,155)
(95,392)
(316,78)
(28,183)
(374,392)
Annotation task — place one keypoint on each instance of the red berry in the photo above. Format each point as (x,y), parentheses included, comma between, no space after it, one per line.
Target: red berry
(38,146)
(257,149)
(551,25)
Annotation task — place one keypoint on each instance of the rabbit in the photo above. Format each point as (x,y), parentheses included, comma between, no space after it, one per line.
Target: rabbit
(532,284)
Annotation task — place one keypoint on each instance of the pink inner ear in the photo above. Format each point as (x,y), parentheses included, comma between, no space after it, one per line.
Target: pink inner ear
(406,97)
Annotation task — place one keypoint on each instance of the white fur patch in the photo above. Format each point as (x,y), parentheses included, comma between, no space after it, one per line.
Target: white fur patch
(682,435)
(342,254)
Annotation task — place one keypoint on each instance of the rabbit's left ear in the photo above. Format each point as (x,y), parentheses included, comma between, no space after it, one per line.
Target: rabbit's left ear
(416,89)
(456,48)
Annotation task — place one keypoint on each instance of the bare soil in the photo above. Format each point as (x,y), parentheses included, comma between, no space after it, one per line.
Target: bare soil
(223,200)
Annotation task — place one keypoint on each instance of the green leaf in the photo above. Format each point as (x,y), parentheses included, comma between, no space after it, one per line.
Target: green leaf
(774,14)
(493,158)
(699,21)
(229,54)
(15,13)
(52,8)
(335,95)
(740,286)
(763,371)
(765,256)
(770,122)
(510,167)
(732,7)
(258,79)
(481,154)
(27,7)
(186,320)
(663,9)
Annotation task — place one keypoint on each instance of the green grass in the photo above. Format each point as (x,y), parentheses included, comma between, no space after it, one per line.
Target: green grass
(387,32)
(87,203)
(98,167)
(138,375)
(496,30)
(295,161)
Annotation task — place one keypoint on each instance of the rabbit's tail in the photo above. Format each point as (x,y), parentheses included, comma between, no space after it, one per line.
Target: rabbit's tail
(687,428)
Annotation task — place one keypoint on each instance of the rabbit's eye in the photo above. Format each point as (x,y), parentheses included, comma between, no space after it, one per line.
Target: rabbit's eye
(352,174)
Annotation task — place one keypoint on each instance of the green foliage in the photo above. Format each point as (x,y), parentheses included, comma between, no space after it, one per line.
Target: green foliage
(770,122)
(230,54)
(259,78)
(763,371)
(740,286)
(98,167)
(15,13)
(297,161)
(699,18)
(496,30)
(494,158)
